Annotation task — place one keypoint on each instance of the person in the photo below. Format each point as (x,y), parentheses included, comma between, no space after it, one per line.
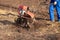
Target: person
(54,4)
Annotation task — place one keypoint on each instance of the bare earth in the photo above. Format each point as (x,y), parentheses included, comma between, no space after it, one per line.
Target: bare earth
(43,29)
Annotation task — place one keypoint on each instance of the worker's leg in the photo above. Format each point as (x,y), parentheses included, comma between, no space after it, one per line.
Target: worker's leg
(51,12)
(58,12)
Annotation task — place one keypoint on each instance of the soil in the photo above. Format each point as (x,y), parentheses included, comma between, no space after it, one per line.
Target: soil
(43,28)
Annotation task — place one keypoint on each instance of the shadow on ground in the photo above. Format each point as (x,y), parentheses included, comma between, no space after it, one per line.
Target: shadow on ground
(42,19)
(6,22)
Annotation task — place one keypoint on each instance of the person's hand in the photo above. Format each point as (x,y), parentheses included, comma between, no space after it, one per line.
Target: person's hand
(55,3)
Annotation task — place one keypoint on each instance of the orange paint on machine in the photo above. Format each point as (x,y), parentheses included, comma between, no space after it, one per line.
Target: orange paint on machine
(25,10)
(31,14)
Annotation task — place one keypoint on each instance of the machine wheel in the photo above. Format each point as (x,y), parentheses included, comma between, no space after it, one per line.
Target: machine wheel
(21,22)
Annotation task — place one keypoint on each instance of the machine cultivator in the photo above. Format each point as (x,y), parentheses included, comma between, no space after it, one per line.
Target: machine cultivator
(26,21)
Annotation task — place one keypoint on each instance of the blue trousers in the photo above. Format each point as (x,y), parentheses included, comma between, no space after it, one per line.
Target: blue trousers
(51,12)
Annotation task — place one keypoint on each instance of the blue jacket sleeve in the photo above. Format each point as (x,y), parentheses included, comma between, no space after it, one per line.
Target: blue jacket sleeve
(56,0)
